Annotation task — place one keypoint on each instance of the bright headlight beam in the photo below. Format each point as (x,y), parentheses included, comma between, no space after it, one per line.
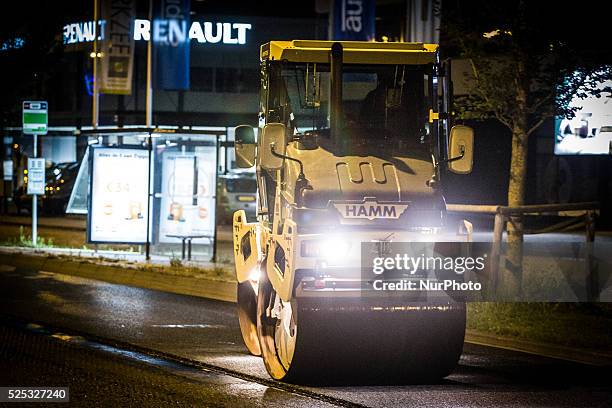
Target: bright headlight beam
(330,249)
(254,275)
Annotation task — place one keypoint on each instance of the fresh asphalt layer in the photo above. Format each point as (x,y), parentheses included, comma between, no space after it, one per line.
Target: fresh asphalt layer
(197,330)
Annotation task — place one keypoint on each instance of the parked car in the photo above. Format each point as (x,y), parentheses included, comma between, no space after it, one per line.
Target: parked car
(59,188)
(237,191)
(60,180)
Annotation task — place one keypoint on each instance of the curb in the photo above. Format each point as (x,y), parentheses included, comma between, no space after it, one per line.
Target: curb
(182,285)
(226,291)
(583,356)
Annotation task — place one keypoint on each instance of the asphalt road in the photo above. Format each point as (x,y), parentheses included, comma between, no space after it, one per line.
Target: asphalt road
(201,337)
(100,375)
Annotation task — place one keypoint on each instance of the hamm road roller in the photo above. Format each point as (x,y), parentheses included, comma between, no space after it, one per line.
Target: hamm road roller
(353,148)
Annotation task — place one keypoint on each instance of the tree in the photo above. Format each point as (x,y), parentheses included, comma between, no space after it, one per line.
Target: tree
(526,66)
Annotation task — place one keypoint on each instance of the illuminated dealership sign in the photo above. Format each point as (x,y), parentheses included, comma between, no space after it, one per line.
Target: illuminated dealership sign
(170,31)
(84,31)
(176,31)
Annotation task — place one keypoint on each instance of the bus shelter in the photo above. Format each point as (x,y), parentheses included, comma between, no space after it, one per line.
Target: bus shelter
(155,187)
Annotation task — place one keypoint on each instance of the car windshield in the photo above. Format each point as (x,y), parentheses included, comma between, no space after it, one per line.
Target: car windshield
(387,103)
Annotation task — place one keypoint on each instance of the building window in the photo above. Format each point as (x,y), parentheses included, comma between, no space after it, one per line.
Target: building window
(227,80)
(237,80)
(201,79)
(249,80)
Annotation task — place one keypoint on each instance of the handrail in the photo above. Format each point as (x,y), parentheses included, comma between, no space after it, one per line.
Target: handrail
(549,208)
(522,209)
(471,208)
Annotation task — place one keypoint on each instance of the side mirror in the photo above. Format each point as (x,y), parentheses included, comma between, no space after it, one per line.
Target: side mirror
(244,145)
(273,136)
(461,149)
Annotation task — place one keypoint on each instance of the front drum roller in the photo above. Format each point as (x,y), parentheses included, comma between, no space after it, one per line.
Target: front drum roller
(358,340)
(247,315)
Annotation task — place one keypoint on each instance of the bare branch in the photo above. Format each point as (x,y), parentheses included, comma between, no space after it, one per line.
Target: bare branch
(537,125)
(542,101)
(505,121)
(474,69)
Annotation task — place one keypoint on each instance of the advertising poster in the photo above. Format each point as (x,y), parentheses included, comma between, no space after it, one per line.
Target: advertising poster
(188,195)
(118,206)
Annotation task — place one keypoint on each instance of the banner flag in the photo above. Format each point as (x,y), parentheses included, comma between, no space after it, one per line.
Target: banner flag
(117,47)
(169,32)
(424,21)
(354,20)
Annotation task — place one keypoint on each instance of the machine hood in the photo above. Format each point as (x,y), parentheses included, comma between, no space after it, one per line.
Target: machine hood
(354,178)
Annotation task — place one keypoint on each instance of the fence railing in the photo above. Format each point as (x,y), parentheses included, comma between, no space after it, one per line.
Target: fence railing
(583,213)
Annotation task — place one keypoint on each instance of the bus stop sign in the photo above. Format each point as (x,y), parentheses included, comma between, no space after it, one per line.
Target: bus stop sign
(36,176)
(35,117)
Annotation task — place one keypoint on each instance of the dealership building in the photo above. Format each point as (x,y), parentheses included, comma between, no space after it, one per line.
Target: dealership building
(198,117)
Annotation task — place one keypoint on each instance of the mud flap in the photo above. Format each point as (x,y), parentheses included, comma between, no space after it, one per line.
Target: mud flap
(246,250)
(281,260)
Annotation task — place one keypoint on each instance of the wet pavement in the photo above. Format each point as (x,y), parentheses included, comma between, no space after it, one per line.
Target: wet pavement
(186,329)
(99,375)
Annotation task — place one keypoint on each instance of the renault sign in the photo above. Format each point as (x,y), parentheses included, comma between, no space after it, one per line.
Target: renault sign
(164,30)
(206,32)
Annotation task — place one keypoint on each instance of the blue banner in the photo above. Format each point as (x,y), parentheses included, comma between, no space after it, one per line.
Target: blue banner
(354,20)
(170,36)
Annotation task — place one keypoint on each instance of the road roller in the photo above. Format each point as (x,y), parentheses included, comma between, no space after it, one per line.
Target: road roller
(353,151)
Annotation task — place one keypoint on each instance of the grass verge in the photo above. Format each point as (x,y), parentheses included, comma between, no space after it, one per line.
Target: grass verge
(583,325)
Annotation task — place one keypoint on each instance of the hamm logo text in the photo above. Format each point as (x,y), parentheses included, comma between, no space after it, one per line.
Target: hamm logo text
(370,209)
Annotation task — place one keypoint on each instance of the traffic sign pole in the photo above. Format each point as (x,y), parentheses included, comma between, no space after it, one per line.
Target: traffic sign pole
(35,119)
(35,202)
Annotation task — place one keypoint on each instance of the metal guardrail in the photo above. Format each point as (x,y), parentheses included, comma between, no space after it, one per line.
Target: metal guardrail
(584,212)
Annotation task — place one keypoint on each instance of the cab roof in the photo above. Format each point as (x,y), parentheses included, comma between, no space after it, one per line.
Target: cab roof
(355,52)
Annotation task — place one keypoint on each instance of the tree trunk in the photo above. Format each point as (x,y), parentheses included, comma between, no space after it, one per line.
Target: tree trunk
(516,186)
(516,197)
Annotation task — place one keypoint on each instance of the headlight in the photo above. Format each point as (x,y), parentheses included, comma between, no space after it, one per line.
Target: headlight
(330,250)
(254,275)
